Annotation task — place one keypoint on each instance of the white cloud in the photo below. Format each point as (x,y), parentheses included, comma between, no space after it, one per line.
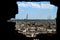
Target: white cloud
(47,6)
(35,5)
(23,5)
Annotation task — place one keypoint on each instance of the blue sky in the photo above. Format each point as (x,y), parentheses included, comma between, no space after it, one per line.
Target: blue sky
(36,10)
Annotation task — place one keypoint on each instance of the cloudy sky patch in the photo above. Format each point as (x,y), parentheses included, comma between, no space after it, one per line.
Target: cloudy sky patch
(35,5)
(36,10)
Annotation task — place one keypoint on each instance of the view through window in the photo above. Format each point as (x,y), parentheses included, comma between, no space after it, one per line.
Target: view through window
(35,17)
